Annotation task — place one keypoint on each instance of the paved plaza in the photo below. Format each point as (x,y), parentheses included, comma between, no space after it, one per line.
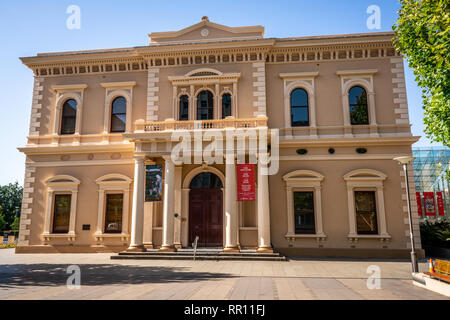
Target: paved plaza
(44,276)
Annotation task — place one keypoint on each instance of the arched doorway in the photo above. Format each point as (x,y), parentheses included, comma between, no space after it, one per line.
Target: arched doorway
(206,210)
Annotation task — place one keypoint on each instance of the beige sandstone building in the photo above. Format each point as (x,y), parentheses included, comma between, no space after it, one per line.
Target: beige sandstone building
(101,118)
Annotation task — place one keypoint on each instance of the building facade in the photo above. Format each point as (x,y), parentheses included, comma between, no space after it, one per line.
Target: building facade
(329,113)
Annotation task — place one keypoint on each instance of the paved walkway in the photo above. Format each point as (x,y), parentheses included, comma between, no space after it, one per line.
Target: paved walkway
(43,276)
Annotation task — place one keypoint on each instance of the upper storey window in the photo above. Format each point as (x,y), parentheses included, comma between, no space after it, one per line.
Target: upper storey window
(205,105)
(69,116)
(358,106)
(226,105)
(299,108)
(119,115)
(184,108)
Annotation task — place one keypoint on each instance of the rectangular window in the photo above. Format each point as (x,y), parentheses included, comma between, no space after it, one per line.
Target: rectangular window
(61,213)
(366,212)
(113,215)
(304,212)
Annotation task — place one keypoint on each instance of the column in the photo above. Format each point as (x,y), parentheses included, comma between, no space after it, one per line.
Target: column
(230,205)
(168,206)
(177,207)
(137,214)
(264,245)
(351,212)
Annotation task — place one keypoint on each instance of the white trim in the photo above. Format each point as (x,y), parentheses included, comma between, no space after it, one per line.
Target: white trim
(112,184)
(302,180)
(57,185)
(368,180)
(363,78)
(111,93)
(305,81)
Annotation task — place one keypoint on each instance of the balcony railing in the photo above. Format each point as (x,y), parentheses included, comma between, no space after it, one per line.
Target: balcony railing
(142,126)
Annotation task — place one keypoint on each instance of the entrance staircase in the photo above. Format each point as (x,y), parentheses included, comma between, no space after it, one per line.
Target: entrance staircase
(200,254)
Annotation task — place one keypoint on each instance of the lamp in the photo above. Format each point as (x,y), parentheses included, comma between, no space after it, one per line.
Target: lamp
(405,161)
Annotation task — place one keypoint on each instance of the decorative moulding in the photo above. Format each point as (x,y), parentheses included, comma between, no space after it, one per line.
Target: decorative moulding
(356,72)
(116,85)
(69,87)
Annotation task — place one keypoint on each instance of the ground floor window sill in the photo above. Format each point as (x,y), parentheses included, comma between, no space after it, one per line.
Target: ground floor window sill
(319,237)
(99,237)
(49,236)
(381,238)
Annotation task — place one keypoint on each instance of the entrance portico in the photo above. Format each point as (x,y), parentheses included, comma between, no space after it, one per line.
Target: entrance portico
(212,213)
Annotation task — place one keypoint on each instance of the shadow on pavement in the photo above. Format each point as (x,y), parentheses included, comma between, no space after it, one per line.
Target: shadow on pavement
(23,275)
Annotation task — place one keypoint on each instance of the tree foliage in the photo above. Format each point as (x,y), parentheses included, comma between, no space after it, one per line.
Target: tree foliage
(10,202)
(423,36)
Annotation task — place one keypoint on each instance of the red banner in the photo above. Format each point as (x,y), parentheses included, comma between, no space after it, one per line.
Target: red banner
(419,204)
(429,204)
(440,204)
(245,182)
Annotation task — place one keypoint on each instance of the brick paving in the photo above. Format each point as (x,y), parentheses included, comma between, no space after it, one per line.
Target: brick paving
(43,276)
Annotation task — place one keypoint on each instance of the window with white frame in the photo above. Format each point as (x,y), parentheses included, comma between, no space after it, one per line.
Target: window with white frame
(366,211)
(68,109)
(61,207)
(299,101)
(118,107)
(358,98)
(113,206)
(304,204)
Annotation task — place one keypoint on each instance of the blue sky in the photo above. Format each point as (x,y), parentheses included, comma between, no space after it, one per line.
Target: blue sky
(29,27)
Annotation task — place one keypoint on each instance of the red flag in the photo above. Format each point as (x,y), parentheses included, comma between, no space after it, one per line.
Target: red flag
(429,204)
(245,182)
(419,204)
(440,203)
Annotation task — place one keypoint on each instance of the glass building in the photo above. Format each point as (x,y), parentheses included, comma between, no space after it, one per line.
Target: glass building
(432,184)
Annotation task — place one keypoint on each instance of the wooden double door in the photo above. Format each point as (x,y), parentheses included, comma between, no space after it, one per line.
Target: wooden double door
(206,217)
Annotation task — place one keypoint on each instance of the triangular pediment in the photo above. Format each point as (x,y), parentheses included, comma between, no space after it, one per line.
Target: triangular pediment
(205,31)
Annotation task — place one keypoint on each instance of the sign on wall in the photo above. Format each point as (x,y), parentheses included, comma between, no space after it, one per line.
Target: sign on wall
(245,182)
(440,203)
(153,182)
(419,204)
(429,204)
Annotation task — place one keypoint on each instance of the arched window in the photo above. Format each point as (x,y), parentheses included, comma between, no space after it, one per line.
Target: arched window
(358,105)
(299,108)
(119,114)
(69,117)
(226,105)
(205,106)
(206,180)
(184,108)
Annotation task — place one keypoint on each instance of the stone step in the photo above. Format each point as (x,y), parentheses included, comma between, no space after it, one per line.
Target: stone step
(191,254)
(165,256)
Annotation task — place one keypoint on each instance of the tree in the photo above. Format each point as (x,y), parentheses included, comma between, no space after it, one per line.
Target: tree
(423,36)
(10,201)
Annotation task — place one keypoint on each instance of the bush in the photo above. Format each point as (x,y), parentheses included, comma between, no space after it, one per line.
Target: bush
(435,234)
